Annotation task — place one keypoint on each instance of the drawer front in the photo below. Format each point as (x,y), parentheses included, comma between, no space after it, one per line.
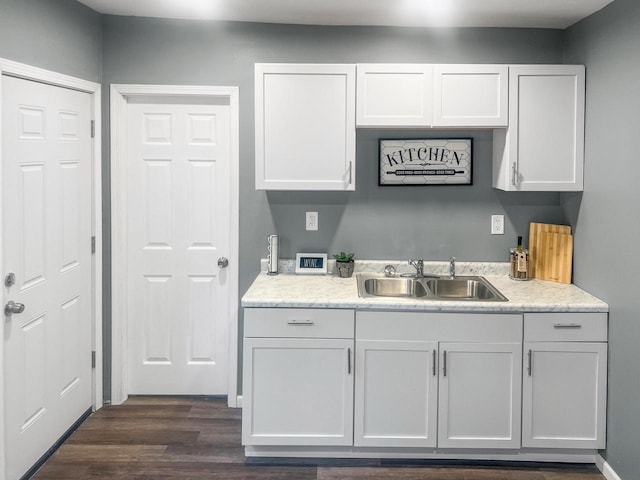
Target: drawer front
(563,327)
(298,323)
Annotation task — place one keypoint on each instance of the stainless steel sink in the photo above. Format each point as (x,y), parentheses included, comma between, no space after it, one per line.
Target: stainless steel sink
(392,287)
(464,288)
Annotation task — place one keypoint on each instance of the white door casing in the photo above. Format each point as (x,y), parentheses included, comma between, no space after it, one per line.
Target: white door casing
(123,98)
(49,194)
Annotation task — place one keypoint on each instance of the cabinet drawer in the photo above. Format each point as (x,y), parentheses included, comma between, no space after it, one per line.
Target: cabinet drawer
(298,323)
(562,327)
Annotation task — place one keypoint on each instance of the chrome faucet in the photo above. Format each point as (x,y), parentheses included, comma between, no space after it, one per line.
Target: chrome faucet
(419,266)
(452,268)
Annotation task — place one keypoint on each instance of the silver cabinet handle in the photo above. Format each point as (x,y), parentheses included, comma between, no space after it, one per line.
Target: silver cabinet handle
(444,363)
(514,174)
(530,366)
(11,307)
(433,368)
(349,170)
(223,262)
(349,361)
(567,325)
(300,323)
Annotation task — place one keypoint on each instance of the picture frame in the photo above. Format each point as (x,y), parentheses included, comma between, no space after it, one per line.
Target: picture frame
(311,263)
(422,162)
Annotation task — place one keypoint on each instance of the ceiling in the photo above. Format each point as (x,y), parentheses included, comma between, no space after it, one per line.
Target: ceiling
(404,13)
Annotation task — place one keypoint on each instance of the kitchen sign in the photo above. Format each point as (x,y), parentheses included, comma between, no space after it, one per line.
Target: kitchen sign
(433,161)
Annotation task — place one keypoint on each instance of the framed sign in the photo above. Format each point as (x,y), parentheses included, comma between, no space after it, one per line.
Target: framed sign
(311,263)
(433,161)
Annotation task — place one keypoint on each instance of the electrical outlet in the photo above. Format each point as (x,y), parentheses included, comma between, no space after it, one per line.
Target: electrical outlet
(312,220)
(497,224)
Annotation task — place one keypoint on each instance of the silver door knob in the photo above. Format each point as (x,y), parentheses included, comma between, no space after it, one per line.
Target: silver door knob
(223,262)
(11,307)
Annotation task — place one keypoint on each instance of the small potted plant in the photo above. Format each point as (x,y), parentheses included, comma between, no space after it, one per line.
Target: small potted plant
(344,264)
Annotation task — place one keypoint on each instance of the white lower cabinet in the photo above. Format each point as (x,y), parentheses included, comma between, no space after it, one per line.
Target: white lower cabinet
(564,381)
(379,382)
(298,389)
(470,397)
(479,401)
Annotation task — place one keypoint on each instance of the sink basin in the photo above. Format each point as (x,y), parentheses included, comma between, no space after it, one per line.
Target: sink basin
(393,287)
(463,288)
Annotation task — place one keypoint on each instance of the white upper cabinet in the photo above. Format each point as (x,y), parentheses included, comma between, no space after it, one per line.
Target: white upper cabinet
(394,95)
(470,95)
(305,126)
(543,147)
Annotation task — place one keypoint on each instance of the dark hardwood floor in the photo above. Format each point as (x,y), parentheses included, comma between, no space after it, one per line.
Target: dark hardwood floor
(171,438)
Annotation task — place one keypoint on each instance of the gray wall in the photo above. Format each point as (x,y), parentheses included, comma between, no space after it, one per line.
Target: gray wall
(375,222)
(606,219)
(59,35)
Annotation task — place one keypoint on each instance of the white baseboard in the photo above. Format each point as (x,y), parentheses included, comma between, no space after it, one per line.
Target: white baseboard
(239,401)
(606,469)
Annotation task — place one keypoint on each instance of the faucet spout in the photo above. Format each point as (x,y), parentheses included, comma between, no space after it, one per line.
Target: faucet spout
(452,268)
(419,266)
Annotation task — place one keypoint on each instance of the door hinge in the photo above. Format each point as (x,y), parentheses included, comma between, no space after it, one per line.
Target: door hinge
(93,359)
(93,245)
(93,128)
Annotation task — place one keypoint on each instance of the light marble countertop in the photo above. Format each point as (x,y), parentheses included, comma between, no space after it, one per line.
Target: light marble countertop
(329,291)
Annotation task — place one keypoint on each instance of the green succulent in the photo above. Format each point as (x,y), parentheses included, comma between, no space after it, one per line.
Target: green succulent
(344,257)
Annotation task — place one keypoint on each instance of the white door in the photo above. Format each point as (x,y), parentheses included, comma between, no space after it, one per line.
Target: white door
(178,199)
(479,395)
(46,197)
(388,372)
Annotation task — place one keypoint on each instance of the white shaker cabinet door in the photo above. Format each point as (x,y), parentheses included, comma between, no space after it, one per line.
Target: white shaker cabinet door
(394,95)
(298,391)
(305,127)
(470,95)
(564,395)
(543,147)
(396,393)
(479,395)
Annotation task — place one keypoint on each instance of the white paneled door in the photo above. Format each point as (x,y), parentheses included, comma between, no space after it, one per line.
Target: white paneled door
(46,198)
(178,196)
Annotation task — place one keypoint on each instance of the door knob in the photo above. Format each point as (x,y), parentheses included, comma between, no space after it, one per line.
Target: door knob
(11,307)
(223,262)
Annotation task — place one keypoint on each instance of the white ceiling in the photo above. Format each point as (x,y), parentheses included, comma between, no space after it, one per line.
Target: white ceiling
(410,13)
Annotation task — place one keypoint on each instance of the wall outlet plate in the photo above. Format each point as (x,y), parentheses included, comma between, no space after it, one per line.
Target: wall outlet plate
(497,224)
(312,220)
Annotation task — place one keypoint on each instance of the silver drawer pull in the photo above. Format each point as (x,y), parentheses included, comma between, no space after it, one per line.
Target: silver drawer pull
(300,323)
(567,325)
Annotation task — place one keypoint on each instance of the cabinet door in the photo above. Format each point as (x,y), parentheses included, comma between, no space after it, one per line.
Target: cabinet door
(479,395)
(470,95)
(394,95)
(564,395)
(305,127)
(543,147)
(396,393)
(297,391)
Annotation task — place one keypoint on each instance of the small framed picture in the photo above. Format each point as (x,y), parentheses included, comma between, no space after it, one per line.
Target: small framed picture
(431,161)
(313,263)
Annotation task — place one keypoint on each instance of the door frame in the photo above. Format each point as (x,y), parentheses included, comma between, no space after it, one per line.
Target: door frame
(120,93)
(28,72)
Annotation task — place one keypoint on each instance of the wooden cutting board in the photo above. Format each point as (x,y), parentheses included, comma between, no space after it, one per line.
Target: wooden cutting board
(535,241)
(556,254)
